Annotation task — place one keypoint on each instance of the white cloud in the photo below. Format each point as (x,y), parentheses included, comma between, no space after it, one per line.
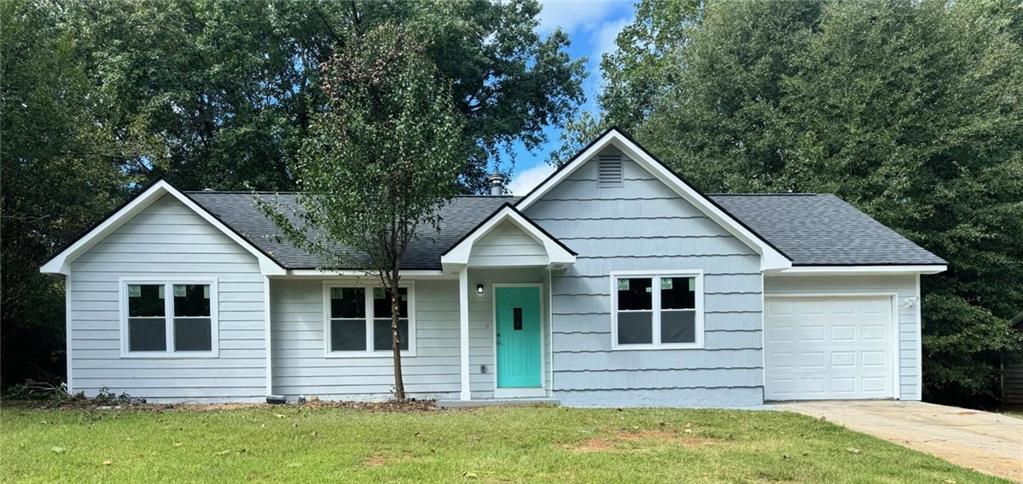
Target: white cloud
(604,39)
(529,178)
(570,15)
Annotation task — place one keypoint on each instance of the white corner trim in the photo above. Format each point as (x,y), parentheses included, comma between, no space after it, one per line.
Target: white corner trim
(67,330)
(267,332)
(771,258)
(458,255)
(877,270)
(465,392)
(61,263)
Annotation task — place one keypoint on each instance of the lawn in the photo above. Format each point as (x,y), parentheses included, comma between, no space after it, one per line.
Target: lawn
(493,444)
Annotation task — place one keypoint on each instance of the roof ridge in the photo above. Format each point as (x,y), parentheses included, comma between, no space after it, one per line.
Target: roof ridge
(769,193)
(291,192)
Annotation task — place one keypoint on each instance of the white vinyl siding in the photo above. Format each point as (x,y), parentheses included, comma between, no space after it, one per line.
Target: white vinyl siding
(168,242)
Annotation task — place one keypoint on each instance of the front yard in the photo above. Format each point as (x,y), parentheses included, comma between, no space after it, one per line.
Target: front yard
(495,444)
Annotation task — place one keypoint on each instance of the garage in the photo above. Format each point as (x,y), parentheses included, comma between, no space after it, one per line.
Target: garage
(829,347)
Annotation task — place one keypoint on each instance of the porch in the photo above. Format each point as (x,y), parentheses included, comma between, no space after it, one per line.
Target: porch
(478,330)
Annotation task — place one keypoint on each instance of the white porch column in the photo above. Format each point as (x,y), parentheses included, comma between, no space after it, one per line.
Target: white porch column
(463,320)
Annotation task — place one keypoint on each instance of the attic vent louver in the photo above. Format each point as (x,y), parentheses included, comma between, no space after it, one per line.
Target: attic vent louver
(609,170)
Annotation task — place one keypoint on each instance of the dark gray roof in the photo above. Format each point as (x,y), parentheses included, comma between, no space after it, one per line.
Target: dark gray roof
(815,229)
(239,211)
(810,229)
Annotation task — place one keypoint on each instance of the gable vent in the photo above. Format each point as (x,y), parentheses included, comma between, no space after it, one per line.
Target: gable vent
(609,170)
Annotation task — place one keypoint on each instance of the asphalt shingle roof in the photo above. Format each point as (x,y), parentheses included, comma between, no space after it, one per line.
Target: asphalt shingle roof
(820,229)
(810,229)
(239,211)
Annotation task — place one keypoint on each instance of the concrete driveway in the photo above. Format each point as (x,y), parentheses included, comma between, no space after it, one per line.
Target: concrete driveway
(988,442)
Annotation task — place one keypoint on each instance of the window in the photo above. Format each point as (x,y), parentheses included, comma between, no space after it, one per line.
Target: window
(168,318)
(359,321)
(657,310)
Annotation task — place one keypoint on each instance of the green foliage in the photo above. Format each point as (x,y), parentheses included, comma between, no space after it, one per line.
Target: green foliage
(379,162)
(101,97)
(60,171)
(908,110)
(221,94)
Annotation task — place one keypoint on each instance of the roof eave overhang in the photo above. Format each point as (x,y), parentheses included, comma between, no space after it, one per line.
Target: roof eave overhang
(861,270)
(771,258)
(61,263)
(457,257)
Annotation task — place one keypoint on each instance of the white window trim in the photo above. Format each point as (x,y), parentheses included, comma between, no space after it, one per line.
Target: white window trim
(168,301)
(655,309)
(368,352)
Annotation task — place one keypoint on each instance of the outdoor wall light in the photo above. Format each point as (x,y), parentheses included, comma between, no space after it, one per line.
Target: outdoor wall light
(479,289)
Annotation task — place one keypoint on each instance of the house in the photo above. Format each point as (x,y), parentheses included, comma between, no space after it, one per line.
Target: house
(613,283)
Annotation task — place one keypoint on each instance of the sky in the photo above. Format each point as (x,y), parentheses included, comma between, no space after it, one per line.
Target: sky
(591,27)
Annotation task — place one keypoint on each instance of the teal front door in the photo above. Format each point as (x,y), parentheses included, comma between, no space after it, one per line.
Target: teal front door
(517,325)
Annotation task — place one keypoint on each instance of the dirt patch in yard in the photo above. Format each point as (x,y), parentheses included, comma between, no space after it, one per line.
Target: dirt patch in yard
(380,459)
(619,441)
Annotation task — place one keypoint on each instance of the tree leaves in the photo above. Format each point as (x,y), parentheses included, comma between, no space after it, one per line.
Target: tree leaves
(908,110)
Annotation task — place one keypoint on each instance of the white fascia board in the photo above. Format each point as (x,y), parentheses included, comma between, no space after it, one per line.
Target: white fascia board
(458,256)
(876,270)
(61,263)
(771,258)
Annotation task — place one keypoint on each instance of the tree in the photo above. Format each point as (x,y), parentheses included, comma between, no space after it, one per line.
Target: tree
(908,110)
(379,162)
(223,92)
(59,171)
(101,97)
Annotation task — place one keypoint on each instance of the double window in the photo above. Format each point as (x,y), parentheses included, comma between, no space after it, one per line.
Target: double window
(657,310)
(168,318)
(359,320)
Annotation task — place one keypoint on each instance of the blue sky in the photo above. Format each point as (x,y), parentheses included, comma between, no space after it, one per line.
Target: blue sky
(592,28)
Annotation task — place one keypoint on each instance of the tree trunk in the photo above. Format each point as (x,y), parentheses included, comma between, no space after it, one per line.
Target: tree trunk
(399,383)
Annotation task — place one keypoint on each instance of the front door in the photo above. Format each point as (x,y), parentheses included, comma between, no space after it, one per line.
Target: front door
(517,329)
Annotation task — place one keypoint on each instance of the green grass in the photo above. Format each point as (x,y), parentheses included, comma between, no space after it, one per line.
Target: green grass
(494,444)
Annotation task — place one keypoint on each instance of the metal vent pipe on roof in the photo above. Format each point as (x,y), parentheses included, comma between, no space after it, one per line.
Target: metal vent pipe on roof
(496,184)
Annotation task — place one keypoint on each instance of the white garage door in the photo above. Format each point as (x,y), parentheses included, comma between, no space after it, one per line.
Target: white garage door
(826,348)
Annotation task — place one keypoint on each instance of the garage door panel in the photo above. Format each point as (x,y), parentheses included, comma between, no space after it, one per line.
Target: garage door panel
(828,348)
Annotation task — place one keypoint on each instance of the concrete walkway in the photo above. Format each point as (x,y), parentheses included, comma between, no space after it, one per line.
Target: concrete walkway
(988,442)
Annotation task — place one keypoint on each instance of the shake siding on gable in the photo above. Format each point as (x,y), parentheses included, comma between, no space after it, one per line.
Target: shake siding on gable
(644,225)
(168,240)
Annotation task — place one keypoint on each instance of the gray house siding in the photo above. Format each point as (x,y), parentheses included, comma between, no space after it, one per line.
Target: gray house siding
(167,240)
(904,286)
(644,225)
